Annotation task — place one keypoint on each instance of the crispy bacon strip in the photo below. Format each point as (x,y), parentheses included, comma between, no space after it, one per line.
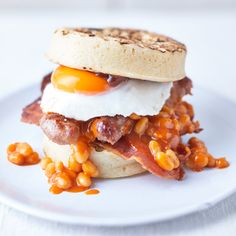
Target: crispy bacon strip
(46,80)
(132,147)
(32,113)
(179,90)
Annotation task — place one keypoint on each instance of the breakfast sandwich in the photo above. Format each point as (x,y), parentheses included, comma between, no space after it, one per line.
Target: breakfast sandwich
(113,107)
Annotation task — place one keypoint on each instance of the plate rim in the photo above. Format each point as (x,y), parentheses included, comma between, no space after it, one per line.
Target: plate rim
(109,222)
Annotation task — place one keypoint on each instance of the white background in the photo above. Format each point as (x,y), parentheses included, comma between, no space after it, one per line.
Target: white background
(118,4)
(209,34)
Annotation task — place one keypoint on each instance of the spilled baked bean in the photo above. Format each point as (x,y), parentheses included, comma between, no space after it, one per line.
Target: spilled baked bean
(22,154)
(74,178)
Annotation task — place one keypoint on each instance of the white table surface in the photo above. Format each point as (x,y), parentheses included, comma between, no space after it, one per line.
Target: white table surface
(211,62)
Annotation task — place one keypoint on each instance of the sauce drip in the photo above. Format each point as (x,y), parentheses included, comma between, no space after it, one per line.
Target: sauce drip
(77,189)
(92,192)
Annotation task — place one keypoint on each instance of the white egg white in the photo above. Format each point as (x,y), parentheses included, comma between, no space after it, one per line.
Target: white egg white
(132,96)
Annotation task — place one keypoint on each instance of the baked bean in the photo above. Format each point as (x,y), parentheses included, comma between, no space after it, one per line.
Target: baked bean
(22,154)
(24,148)
(73,164)
(154,147)
(171,154)
(134,116)
(211,161)
(33,158)
(72,174)
(197,161)
(161,133)
(166,123)
(44,162)
(55,190)
(59,166)
(141,126)
(50,169)
(164,161)
(11,148)
(62,180)
(90,169)
(80,152)
(83,179)
(16,158)
(222,163)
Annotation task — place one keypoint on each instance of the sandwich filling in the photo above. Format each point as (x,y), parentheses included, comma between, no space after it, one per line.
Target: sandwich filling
(153,140)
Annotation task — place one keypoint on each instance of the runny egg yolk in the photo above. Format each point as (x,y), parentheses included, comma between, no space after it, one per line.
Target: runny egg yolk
(74,80)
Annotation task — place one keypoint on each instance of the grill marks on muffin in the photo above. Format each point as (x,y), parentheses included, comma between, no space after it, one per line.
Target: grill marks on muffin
(140,38)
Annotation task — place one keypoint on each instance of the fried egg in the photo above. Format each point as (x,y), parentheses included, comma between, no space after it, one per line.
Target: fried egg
(132,96)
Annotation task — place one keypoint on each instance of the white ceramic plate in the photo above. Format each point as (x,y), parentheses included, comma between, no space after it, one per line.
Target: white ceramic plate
(126,201)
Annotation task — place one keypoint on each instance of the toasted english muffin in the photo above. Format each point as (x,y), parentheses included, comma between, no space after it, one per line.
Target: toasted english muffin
(125,52)
(108,164)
